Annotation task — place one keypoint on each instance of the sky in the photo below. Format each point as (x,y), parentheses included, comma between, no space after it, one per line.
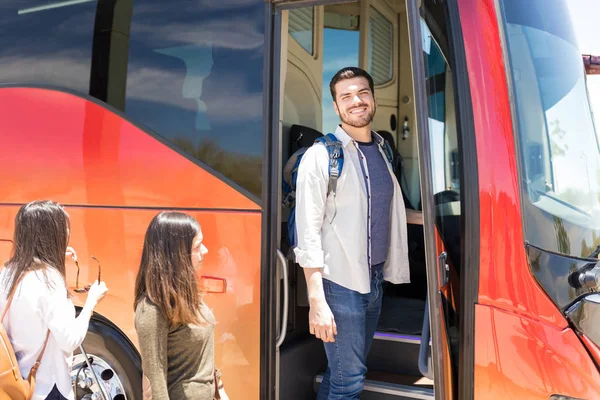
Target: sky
(340,49)
(587,29)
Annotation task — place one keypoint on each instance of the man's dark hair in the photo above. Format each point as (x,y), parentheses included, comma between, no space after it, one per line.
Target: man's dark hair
(349,73)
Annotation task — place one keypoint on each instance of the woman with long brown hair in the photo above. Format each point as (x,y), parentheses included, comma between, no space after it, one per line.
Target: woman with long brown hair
(41,316)
(174,327)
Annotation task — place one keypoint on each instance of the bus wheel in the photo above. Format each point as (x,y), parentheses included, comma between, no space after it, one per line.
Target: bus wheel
(113,361)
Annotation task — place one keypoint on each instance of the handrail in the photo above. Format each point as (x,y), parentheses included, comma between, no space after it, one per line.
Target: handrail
(284,317)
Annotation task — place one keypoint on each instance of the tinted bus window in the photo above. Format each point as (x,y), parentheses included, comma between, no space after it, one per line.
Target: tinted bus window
(559,153)
(46,43)
(191,71)
(195,76)
(381,48)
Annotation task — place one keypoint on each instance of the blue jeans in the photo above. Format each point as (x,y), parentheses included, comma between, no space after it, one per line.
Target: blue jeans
(356,316)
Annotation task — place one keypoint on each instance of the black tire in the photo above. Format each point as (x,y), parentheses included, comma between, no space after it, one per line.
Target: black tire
(111,346)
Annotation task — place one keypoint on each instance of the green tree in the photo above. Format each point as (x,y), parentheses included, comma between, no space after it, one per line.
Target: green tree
(556,137)
(562,238)
(243,169)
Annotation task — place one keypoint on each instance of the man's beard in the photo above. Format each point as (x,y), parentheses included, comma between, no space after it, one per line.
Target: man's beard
(358,122)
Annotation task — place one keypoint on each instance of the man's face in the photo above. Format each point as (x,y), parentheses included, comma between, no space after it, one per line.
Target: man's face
(354,102)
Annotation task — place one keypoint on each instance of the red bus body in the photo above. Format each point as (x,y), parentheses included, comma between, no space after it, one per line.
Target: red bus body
(524,347)
(113,175)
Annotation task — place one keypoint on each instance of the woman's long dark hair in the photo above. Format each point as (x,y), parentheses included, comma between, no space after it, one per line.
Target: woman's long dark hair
(40,241)
(166,276)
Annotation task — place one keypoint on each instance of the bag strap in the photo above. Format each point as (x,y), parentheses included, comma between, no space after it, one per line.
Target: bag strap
(336,159)
(10,297)
(387,149)
(216,380)
(36,365)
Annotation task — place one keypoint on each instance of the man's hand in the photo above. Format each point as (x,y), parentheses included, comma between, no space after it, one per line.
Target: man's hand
(320,318)
(321,321)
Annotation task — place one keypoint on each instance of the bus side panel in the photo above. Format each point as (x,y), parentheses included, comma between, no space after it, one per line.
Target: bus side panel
(114,178)
(115,236)
(504,279)
(75,151)
(520,358)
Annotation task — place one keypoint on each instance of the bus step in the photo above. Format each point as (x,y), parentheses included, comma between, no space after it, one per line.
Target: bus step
(390,386)
(395,353)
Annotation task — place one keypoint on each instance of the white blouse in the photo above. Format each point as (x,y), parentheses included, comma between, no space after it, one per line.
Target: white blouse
(40,303)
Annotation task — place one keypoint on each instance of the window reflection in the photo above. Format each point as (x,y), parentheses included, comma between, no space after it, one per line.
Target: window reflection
(560,158)
(47,46)
(444,151)
(191,71)
(196,79)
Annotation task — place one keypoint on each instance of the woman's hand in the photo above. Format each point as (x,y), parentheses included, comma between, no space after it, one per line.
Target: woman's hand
(146,389)
(96,293)
(71,253)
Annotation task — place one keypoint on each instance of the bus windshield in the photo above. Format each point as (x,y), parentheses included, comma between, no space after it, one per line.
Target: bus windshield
(557,143)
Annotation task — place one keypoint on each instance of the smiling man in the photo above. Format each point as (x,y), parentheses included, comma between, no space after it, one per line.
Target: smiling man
(352,240)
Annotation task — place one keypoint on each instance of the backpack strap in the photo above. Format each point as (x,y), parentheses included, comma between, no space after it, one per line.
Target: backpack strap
(387,149)
(290,174)
(336,159)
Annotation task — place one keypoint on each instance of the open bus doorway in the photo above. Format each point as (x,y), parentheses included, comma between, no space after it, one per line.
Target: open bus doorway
(317,41)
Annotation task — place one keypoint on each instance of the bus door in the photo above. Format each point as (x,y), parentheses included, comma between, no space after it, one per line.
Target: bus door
(444,148)
(407,47)
(539,168)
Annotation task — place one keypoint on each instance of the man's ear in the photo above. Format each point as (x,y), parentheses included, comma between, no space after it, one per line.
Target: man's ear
(335,107)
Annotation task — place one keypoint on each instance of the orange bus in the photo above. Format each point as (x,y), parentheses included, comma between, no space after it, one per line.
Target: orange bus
(119,109)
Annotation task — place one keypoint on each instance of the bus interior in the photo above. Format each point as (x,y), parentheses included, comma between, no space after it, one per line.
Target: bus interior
(316,42)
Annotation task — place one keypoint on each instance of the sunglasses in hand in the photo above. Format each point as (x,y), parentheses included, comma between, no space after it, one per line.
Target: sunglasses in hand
(86,288)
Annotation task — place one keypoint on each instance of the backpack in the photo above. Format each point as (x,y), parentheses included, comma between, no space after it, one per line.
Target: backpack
(12,383)
(336,163)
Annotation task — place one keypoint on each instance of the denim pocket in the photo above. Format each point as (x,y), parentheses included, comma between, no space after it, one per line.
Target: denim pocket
(342,300)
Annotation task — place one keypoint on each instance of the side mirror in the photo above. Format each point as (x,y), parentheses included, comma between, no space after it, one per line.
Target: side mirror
(212,284)
(592,64)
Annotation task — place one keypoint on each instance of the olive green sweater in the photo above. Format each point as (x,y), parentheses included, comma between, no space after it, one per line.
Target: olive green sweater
(178,362)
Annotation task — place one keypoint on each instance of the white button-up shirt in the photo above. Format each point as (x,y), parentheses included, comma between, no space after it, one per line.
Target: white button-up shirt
(41,303)
(333,231)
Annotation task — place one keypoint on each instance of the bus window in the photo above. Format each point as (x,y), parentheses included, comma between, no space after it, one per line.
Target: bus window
(47,44)
(559,153)
(302,27)
(381,51)
(445,183)
(185,81)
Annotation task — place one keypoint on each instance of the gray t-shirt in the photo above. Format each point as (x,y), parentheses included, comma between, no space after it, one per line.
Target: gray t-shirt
(380,199)
(179,362)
